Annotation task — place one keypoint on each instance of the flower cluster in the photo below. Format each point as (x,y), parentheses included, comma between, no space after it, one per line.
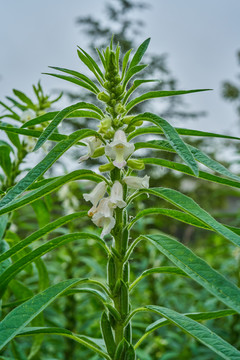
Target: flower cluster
(102,210)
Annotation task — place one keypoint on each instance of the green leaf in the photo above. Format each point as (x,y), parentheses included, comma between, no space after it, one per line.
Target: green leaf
(172,136)
(135,85)
(158,94)
(20,264)
(199,332)
(139,53)
(125,62)
(77,75)
(58,118)
(185,132)
(24,98)
(34,133)
(40,233)
(5,159)
(177,215)
(3,225)
(131,72)
(188,205)
(17,104)
(198,155)
(199,316)
(45,164)
(74,81)
(99,294)
(77,113)
(91,343)
(15,115)
(91,64)
(185,169)
(18,318)
(197,269)
(3,249)
(158,270)
(50,187)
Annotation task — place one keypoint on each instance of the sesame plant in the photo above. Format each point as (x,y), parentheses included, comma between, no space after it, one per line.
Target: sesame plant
(119,184)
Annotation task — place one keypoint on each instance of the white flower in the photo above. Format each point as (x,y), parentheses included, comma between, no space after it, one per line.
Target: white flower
(28,115)
(96,194)
(92,143)
(116,198)
(119,149)
(103,216)
(136,182)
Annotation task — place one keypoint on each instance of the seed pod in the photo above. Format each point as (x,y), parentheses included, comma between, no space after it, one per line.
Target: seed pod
(126,272)
(111,273)
(108,334)
(124,299)
(131,355)
(125,235)
(121,350)
(128,332)
(113,312)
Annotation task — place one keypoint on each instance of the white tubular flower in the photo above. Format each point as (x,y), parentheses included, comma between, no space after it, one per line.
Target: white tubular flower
(136,182)
(103,216)
(119,149)
(96,194)
(92,143)
(28,115)
(116,198)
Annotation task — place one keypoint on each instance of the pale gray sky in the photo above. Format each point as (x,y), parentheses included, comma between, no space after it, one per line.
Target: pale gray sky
(201,38)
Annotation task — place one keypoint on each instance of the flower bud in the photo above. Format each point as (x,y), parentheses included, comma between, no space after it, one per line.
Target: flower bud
(136,164)
(102,96)
(105,125)
(120,108)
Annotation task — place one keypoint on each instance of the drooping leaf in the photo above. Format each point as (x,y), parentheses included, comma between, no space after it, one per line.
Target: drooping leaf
(58,118)
(172,136)
(199,332)
(50,187)
(188,205)
(197,269)
(185,132)
(17,266)
(185,170)
(96,345)
(21,316)
(40,233)
(45,164)
(198,155)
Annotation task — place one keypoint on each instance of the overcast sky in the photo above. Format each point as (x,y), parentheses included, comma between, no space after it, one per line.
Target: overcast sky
(201,38)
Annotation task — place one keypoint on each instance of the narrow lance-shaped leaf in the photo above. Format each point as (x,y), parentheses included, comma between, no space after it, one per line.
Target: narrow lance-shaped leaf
(185,169)
(139,53)
(58,118)
(45,164)
(199,332)
(158,94)
(181,131)
(40,233)
(198,155)
(18,318)
(197,269)
(188,205)
(96,345)
(177,215)
(172,136)
(78,75)
(50,187)
(19,265)
(74,81)
(24,98)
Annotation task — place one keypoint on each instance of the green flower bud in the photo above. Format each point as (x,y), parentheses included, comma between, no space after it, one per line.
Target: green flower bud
(120,108)
(127,119)
(106,167)
(131,129)
(98,152)
(108,334)
(136,164)
(139,123)
(105,125)
(102,96)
